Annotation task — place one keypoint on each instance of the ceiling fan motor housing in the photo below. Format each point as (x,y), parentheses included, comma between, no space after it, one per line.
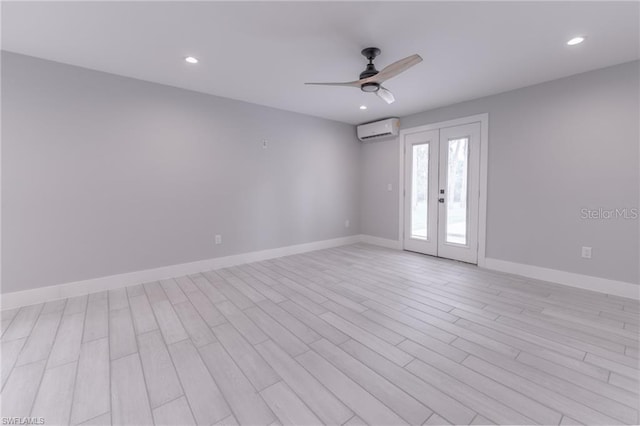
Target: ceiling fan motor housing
(369,72)
(370,53)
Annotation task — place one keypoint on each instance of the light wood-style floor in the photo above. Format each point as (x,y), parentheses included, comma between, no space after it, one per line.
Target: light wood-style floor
(350,335)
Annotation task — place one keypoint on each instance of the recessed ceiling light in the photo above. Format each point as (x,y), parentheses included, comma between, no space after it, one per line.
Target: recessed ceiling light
(363,107)
(191,60)
(576,40)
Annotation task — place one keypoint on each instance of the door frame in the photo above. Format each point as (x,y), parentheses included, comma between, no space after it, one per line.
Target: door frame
(483,119)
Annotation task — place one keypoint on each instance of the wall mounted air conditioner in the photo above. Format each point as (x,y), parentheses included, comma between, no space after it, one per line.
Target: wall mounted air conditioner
(377,130)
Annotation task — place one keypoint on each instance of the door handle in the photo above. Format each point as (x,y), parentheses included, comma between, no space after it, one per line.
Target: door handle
(441,200)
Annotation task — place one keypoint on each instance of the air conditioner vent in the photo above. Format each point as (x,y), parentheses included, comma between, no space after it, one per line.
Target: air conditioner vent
(382,129)
(376,136)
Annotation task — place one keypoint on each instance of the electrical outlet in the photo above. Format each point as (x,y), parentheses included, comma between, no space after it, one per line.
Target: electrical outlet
(586,252)
(347,223)
(389,187)
(265,144)
(218,239)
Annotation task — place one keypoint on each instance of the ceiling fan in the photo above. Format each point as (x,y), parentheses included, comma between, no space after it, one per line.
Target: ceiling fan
(371,79)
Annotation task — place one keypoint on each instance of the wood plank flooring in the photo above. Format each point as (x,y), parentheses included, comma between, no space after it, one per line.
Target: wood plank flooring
(346,336)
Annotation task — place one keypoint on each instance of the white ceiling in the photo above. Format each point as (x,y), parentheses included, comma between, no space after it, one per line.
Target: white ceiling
(263,52)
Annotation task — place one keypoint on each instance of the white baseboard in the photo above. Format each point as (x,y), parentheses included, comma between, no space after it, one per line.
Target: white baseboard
(79,288)
(383,242)
(585,282)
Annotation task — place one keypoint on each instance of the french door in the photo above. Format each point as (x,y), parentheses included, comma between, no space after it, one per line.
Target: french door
(441,194)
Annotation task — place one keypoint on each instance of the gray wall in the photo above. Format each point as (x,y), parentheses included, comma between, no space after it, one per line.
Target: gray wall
(554,149)
(103,175)
(379,206)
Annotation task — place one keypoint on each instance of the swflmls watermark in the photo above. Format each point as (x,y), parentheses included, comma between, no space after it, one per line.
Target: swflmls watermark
(22,420)
(609,214)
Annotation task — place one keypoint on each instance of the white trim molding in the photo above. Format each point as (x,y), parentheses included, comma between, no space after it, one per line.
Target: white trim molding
(79,288)
(585,282)
(93,285)
(382,242)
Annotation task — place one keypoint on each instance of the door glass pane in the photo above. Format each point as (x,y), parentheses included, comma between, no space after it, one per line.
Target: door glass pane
(457,191)
(419,191)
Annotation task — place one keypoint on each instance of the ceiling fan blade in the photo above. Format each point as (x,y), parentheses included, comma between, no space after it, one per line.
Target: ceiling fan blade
(348,84)
(385,95)
(394,69)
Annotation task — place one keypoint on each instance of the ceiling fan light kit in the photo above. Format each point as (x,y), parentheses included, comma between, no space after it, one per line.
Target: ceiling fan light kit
(370,87)
(371,79)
